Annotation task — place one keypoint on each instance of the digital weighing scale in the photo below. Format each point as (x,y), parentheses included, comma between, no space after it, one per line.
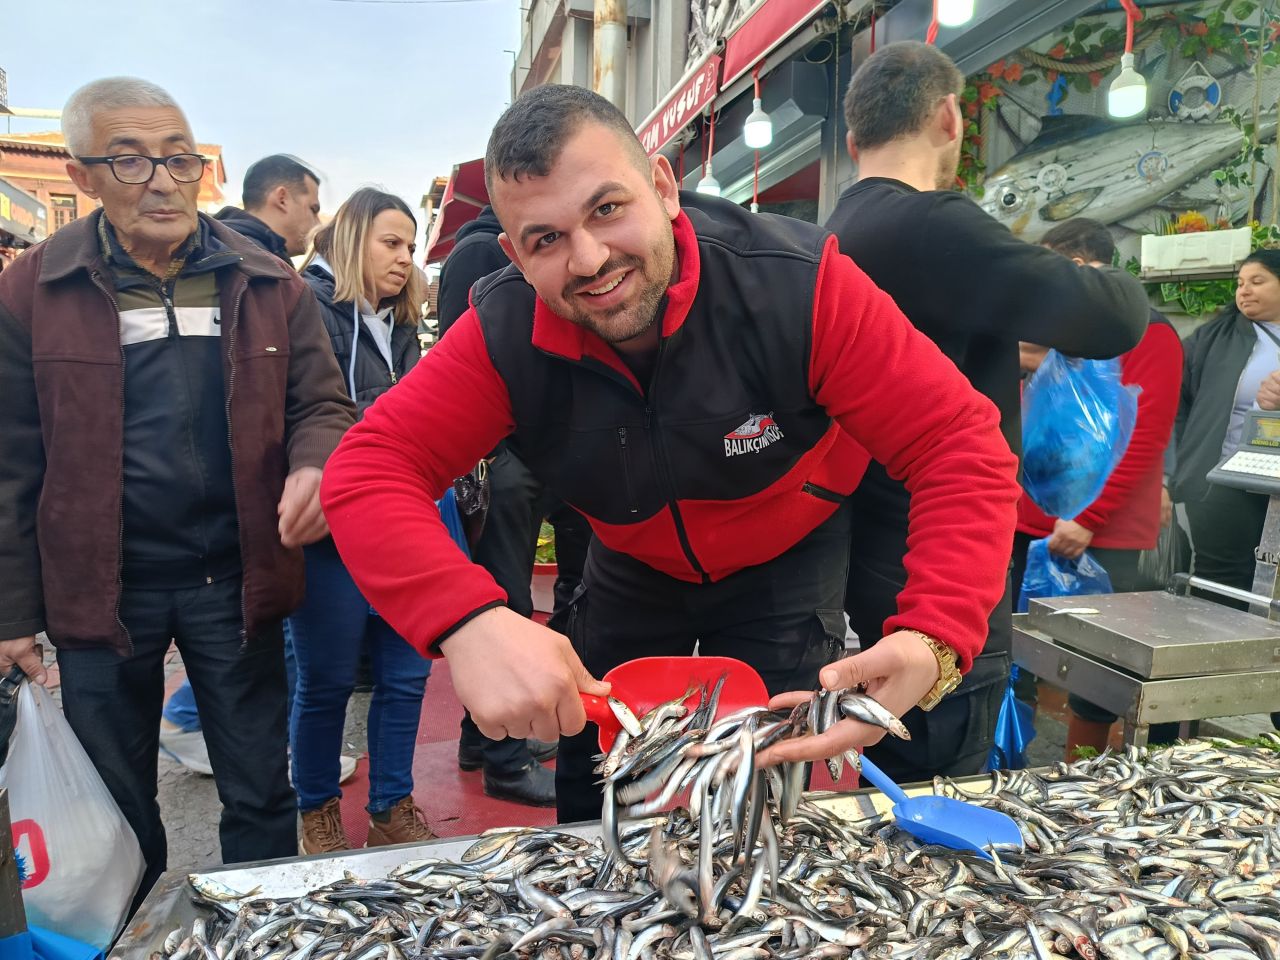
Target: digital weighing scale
(1156,657)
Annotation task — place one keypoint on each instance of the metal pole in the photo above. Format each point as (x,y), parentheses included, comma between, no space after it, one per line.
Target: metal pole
(13,918)
(609,52)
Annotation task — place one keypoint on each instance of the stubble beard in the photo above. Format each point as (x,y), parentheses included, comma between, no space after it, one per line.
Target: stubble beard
(629,320)
(948,168)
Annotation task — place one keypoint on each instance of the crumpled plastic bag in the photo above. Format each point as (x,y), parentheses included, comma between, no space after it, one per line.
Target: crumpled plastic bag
(1077,420)
(79,861)
(1049,575)
(1015,729)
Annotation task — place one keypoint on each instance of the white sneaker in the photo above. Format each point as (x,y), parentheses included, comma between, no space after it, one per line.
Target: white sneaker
(347,768)
(187,748)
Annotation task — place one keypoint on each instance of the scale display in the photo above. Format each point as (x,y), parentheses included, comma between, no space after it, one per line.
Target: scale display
(1255,465)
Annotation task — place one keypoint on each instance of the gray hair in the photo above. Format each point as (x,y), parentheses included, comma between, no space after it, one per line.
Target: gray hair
(109,93)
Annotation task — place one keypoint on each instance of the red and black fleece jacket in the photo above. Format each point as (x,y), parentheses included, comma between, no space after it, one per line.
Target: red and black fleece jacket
(781,371)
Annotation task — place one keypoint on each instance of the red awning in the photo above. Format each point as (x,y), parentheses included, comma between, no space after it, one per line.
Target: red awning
(464,197)
(772,22)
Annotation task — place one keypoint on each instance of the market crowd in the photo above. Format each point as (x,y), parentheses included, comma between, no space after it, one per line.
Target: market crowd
(749,432)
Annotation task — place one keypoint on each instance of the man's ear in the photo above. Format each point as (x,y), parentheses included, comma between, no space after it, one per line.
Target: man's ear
(79,175)
(666,185)
(851,146)
(510,250)
(950,122)
(279,197)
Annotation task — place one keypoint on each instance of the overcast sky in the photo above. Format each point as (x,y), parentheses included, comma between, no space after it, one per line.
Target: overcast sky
(389,94)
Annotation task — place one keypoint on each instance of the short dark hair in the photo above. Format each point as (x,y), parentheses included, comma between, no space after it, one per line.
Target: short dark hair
(1267,259)
(270,172)
(1081,237)
(528,137)
(894,91)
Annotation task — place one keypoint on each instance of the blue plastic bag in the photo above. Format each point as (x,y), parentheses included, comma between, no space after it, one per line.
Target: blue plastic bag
(1048,575)
(1077,419)
(1015,729)
(452,520)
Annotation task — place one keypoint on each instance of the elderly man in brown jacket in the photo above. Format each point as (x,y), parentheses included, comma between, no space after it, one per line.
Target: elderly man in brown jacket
(170,400)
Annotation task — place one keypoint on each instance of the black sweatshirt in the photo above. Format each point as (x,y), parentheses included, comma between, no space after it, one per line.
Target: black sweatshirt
(975,289)
(476,254)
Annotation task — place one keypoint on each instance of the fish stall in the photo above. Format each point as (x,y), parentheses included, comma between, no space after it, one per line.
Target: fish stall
(1160,854)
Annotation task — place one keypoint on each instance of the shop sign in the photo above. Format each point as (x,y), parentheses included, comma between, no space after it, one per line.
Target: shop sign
(679,109)
(22,214)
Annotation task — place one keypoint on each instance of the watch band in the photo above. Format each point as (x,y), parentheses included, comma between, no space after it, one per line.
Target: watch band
(948,674)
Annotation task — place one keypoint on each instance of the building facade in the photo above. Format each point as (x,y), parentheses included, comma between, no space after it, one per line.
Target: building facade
(694,67)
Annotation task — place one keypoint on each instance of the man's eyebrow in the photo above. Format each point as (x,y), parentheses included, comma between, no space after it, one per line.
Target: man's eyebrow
(605,189)
(126,141)
(533,228)
(591,203)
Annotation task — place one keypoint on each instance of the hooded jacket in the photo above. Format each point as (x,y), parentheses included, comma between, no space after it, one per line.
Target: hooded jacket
(476,253)
(371,377)
(247,225)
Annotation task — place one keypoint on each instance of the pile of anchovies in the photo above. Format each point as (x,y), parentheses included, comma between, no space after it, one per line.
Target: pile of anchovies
(1165,854)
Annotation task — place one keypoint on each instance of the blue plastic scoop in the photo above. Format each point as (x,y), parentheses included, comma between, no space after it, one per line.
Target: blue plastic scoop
(944,821)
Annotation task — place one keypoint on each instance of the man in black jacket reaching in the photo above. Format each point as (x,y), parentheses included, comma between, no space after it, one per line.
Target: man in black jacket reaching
(975,289)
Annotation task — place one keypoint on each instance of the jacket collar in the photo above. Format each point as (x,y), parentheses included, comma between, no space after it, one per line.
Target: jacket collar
(554,334)
(76,247)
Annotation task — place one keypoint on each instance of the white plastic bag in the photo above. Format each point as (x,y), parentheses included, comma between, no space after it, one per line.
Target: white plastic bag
(79,856)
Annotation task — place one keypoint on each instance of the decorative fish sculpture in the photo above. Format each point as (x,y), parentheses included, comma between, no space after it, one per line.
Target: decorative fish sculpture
(1088,166)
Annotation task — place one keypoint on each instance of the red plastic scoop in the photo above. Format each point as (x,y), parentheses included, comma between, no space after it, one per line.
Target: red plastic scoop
(648,682)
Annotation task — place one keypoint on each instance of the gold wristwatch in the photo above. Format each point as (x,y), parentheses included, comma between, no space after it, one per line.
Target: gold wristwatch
(948,676)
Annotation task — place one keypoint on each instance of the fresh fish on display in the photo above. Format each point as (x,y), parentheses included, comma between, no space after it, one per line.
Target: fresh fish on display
(1087,166)
(1151,854)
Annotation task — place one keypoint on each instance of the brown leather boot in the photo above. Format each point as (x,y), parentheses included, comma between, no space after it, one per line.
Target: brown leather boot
(406,824)
(1085,733)
(322,830)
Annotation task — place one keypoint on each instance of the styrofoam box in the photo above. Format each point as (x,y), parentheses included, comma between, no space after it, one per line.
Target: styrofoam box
(1196,251)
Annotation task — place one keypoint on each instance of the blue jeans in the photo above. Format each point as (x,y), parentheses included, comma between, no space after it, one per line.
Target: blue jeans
(180,708)
(328,630)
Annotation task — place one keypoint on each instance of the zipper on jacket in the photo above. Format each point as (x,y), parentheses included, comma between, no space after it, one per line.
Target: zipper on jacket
(626,470)
(97,280)
(167,290)
(822,493)
(664,469)
(235,499)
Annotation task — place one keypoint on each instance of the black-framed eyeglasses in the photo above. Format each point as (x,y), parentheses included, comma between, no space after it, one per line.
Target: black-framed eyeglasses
(133,168)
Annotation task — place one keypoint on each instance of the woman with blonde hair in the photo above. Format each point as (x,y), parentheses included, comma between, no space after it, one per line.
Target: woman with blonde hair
(361,270)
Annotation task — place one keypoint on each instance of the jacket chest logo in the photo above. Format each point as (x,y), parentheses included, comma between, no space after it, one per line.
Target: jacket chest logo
(754,435)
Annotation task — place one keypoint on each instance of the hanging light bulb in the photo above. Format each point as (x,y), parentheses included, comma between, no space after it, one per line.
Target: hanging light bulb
(955,13)
(1128,94)
(757,132)
(708,184)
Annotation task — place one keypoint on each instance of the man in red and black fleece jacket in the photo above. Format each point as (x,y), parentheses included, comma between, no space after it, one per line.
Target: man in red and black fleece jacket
(706,386)
(1126,517)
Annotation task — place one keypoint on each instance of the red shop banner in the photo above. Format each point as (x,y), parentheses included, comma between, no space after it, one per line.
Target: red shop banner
(679,109)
